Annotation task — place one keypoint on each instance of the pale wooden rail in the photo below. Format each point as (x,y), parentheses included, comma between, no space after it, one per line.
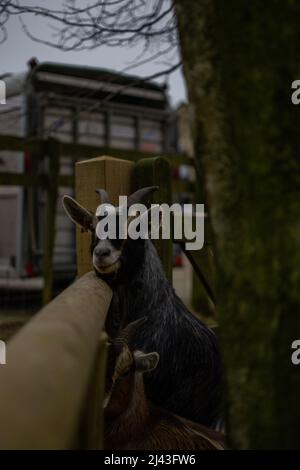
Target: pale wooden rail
(52,363)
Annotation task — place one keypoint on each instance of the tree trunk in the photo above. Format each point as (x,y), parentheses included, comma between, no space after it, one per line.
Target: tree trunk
(240,59)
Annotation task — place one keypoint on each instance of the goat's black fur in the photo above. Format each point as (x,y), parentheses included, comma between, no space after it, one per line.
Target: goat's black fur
(187,380)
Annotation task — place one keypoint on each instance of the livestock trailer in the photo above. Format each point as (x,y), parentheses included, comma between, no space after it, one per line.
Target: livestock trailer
(77,105)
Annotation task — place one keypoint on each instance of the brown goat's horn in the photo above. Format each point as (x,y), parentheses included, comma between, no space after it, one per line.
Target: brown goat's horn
(129,331)
(138,195)
(103,195)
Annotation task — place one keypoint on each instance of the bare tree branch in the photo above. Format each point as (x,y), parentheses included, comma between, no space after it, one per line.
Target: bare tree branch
(151,24)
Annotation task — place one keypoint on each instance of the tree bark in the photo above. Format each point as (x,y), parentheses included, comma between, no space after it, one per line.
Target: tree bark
(240,59)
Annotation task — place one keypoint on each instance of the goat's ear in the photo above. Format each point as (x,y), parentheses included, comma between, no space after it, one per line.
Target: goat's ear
(78,214)
(146,362)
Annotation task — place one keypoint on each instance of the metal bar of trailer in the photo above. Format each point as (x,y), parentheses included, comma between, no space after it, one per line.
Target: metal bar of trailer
(22,179)
(20,144)
(38,147)
(27,180)
(53,152)
(50,363)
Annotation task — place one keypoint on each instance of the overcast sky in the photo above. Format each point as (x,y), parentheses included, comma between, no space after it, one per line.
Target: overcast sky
(18,48)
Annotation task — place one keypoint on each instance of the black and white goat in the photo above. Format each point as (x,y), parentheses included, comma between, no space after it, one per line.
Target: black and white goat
(187,380)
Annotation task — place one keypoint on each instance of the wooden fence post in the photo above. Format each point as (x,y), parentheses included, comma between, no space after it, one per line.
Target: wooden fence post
(91,428)
(110,173)
(113,175)
(204,287)
(53,151)
(156,172)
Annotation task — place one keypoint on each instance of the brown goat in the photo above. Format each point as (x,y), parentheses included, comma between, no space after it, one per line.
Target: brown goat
(131,421)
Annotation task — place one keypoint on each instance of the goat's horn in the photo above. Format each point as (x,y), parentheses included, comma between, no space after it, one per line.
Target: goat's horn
(138,195)
(129,331)
(103,195)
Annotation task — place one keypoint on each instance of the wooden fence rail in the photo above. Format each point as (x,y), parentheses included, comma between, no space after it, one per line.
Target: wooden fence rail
(38,148)
(47,395)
